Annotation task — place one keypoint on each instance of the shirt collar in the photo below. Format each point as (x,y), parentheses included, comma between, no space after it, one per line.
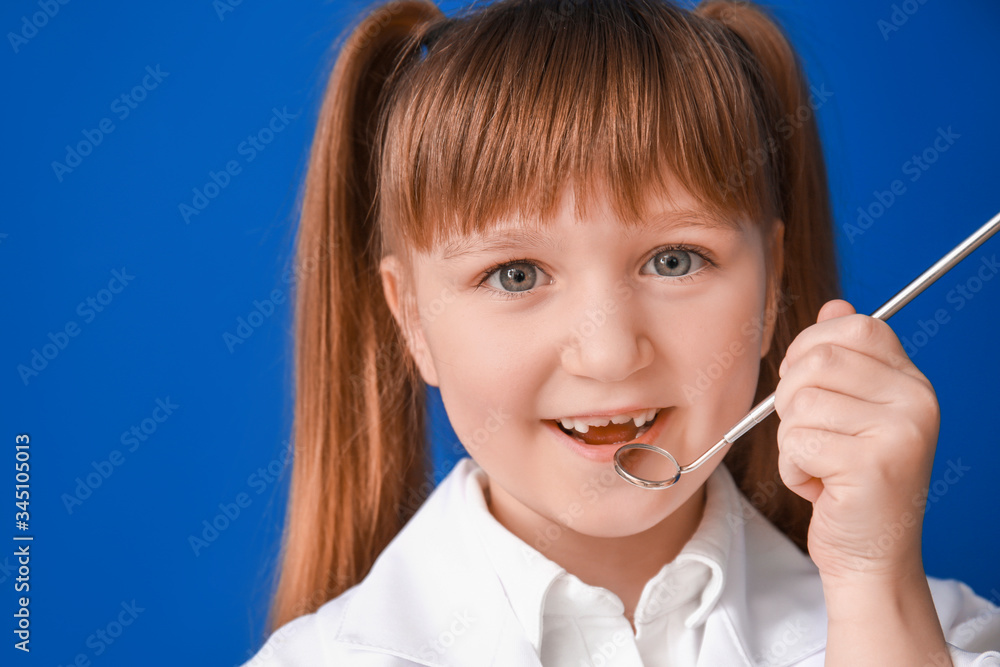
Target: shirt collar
(712,542)
(525,574)
(528,577)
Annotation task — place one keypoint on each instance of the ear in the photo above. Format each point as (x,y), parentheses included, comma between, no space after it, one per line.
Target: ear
(776,248)
(400,293)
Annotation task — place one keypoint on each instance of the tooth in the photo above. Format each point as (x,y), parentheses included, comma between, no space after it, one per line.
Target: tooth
(583,425)
(648,417)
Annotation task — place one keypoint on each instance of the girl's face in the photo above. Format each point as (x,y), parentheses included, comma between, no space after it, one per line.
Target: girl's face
(583,320)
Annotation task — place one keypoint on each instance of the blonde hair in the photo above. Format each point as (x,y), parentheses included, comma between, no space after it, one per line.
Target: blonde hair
(433,127)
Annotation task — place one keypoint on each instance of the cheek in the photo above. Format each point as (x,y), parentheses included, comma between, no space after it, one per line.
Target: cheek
(483,379)
(720,364)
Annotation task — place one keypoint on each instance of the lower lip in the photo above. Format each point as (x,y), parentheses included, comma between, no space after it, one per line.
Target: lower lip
(606,453)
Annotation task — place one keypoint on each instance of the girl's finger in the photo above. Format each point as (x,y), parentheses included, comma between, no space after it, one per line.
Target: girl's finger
(812,452)
(862,333)
(821,408)
(842,370)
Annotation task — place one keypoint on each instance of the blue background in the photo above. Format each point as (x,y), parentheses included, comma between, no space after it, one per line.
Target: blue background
(161,337)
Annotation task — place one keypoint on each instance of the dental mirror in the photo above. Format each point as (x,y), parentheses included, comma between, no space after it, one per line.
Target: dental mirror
(651,467)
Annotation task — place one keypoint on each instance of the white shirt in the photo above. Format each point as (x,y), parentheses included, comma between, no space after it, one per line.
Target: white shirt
(456,588)
(571,623)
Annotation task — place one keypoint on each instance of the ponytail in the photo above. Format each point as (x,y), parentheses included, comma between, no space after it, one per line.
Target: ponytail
(809,276)
(359,447)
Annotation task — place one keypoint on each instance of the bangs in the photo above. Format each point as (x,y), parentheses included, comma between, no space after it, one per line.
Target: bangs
(514,102)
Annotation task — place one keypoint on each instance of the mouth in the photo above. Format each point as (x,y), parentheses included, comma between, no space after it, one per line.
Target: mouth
(612,434)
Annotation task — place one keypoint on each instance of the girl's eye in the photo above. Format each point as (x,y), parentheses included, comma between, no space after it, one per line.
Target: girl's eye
(679,261)
(512,278)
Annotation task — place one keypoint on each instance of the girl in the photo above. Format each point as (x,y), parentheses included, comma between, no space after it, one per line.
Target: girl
(590,223)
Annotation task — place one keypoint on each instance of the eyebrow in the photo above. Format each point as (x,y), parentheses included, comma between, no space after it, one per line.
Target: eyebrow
(518,238)
(506,241)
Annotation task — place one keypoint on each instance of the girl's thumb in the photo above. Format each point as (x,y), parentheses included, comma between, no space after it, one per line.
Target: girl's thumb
(835,308)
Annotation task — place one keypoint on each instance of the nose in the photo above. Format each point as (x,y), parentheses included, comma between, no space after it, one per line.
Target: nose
(607,343)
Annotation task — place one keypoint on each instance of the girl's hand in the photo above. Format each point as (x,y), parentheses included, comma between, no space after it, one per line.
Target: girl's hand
(859,424)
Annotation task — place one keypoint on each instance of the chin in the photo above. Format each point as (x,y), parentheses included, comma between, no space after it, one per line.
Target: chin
(629,511)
